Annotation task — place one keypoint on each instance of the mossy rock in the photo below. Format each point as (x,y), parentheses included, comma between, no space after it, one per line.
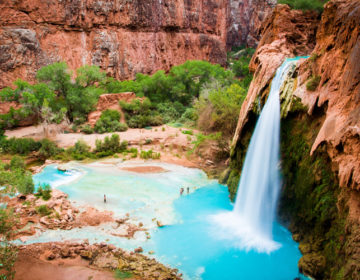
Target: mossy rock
(312,264)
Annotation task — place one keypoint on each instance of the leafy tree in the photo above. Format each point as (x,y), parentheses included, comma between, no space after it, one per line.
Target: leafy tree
(8,252)
(109,122)
(218,108)
(89,75)
(81,101)
(57,76)
(48,149)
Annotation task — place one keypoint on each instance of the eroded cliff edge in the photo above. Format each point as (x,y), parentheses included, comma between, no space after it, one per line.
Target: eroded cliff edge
(320,132)
(122,37)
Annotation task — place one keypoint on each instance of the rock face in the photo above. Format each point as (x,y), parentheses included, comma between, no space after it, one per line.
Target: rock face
(284,33)
(332,113)
(244,21)
(336,61)
(122,37)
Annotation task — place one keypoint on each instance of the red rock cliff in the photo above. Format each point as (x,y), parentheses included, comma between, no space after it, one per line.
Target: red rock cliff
(244,21)
(123,37)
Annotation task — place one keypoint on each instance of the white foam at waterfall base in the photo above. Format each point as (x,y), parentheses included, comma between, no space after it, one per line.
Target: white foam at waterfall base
(241,233)
(251,221)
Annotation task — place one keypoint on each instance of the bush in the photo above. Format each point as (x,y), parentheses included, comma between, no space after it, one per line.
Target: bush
(48,149)
(109,122)
(22,146)
(87,129)
(149,155)
(44,192)
(43,210)
(313,83)
(110,146)
(24,182)
(17,163)
(305,5)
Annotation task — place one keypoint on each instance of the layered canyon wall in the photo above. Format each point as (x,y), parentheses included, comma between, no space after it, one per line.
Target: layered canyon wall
(122,37)
(320,132)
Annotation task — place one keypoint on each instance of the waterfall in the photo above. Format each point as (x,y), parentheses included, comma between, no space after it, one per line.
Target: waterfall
(255,207)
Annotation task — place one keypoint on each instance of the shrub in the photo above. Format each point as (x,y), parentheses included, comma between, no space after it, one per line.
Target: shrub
(24,182)
(17,163)
(87,129)
(110,146)
(48,149)
(305,5)
(43,210)
(313,83)
(149,155)
(109,122)
(44,192)
(22,146)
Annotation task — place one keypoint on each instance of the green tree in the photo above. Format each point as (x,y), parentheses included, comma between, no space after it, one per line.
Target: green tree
(89,75)
(57,76)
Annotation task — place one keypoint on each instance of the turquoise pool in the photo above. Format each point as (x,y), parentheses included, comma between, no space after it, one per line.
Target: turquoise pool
(190,241)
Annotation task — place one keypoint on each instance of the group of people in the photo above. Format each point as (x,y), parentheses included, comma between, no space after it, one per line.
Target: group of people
(183,189)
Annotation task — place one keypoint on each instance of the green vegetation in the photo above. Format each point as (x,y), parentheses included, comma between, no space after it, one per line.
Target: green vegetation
(218,108)
(313,83)
(149,155)
(8,252)
(109,122)
(305,5)
(119,274)
(44,192)
(43,210)
(140,114)
(310,196)
(110,146)
(15,178)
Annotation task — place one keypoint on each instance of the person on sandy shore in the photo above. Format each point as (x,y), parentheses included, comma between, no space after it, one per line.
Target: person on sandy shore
(104,198)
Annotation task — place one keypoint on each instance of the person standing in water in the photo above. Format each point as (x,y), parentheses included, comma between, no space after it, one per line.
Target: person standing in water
(181,191)
(188,190)
(104,198)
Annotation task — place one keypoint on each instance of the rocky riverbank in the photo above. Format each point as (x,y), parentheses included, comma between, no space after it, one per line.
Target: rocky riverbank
(97,261)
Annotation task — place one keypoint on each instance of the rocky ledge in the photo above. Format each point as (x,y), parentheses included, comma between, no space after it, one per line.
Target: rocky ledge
(101,257)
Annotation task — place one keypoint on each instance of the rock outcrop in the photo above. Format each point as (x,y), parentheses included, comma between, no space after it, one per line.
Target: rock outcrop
(99,256)
(122,37)
(244,21)
(335,60)
(324,123)
(284,33)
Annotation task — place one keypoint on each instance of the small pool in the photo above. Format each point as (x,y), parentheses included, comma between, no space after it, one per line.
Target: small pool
(190,241)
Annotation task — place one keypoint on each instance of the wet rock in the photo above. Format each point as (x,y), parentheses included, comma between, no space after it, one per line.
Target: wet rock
(312,264)
(138,250)
(65,252)
(49,255)
(86,254)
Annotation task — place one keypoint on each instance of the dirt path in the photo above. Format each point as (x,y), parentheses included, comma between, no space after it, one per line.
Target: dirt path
(163,134)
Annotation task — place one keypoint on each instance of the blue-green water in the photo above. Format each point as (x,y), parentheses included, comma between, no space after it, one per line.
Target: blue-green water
(190,241)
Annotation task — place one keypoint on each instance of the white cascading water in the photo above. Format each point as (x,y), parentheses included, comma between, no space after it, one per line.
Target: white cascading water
(255,206)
